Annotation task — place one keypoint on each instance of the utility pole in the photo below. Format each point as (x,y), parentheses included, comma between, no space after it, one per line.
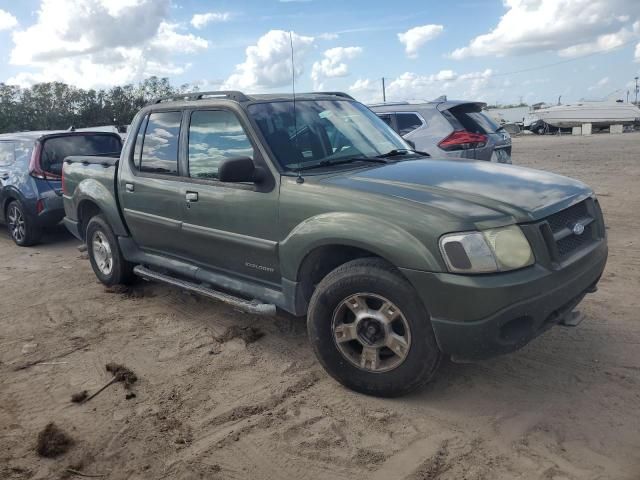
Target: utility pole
(627,96)
(636,90)
(384,92)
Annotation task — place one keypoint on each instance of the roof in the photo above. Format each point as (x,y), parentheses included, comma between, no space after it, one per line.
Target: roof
(413,106)
(240,97)
(36,135)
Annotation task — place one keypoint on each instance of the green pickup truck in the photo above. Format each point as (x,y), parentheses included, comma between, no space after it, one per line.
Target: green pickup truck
(314,206)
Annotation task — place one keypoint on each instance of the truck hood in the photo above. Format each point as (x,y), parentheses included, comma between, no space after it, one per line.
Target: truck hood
(473,190)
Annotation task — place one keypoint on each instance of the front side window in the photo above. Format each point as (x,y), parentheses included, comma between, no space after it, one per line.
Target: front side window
(160,146)
(323,132)
(407,122)
(215,135)
(7,154)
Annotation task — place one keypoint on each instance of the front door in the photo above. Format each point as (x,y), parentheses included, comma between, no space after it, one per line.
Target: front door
(229,227)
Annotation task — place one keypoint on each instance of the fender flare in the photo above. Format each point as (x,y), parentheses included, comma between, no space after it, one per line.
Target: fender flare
(93,191)
(366,232)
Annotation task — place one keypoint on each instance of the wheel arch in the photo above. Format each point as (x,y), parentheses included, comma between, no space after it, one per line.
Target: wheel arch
(96,193)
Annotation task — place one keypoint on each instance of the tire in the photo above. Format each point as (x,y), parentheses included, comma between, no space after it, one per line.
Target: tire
(104,254)
(22,228)
(367,285)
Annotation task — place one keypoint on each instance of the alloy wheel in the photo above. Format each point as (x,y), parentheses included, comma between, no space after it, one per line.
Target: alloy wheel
(371,332)
(16,224)
(102,253)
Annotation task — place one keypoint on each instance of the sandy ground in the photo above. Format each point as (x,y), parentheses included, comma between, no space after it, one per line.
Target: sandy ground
(565,407)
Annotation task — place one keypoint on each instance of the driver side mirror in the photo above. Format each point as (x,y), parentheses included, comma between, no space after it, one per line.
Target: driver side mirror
(238,170)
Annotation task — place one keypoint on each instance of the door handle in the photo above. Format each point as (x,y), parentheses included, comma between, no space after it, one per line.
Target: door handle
(191,197)
(130,187)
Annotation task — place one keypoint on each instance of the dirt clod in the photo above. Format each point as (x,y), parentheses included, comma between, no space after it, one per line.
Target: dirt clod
(247,334)
(79,397)
(122,374)
(52,441)
(367,458)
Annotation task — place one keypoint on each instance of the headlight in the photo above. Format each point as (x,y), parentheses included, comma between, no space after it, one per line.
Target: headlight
(493,250)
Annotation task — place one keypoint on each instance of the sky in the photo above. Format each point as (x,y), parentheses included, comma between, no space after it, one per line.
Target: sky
(488,50)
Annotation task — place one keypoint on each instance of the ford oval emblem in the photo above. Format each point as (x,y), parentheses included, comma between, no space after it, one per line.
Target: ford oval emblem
(578,229)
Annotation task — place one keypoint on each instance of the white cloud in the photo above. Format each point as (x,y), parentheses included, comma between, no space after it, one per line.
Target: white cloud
(268,63)
(92,43)
(531,26)
(412,86)
(328,36)
(637,53)
(416,37)
(599,84)
(7,21)
(333,64)
(201,20)
(600,44)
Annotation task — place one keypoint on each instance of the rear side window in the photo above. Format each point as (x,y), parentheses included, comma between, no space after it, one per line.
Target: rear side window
(407,122)
(56,149)
(137,150)
(215,135)
(7,154)
(160,147)
(473,120)
(23,151)
(386,118)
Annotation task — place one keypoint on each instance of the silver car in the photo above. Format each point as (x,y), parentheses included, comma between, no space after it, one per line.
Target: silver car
(448,128)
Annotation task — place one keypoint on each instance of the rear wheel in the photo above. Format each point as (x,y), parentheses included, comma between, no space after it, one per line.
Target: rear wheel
(23,229)
(104,253)
(370,331)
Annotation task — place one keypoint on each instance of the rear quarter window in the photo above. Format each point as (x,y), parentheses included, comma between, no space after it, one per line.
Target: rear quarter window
(407,122)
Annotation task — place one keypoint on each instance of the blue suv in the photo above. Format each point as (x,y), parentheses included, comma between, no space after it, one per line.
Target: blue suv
(31,176)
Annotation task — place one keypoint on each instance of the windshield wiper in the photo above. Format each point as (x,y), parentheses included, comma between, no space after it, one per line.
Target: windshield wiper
(402,151)
(330,163)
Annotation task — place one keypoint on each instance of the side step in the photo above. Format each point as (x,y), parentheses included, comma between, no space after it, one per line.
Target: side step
(251,306)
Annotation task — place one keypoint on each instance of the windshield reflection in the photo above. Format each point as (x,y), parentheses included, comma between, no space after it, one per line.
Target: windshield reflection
(323,132)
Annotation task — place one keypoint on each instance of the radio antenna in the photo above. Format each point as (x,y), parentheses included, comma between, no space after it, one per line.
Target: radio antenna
(293,88)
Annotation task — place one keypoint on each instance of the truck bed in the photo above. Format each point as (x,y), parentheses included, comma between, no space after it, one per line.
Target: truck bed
(90,179)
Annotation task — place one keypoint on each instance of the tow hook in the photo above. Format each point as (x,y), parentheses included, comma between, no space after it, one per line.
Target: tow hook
(572,319)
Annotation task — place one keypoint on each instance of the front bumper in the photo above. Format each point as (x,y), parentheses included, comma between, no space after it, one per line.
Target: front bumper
(484,315)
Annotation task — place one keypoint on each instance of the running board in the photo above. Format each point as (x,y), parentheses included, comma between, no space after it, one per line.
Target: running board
(251,306)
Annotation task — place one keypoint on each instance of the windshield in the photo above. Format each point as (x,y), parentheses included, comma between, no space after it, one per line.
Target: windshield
(324,132)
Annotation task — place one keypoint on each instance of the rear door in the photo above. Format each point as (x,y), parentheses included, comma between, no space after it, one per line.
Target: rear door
(228,226)
(7,159)
(153,196)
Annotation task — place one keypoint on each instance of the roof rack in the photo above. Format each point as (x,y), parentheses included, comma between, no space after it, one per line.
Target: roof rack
(337,94)
(230,94)
(384,104)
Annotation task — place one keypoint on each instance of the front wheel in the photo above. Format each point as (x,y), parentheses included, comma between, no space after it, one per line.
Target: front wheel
(370,330)
(104,254)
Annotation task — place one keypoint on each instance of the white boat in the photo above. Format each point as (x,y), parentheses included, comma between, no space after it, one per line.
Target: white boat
(599,114)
